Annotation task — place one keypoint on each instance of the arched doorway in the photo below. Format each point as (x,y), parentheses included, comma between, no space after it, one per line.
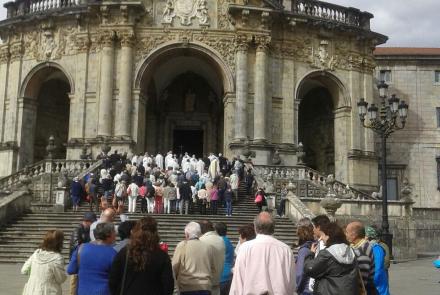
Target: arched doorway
(316,129)
(46,97)
(323,123)
(184,88)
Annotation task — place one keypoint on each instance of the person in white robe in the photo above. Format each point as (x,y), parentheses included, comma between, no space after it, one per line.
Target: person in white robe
(186,165)
(134,160)
(200,167)
(214,168)
(193,162)
(255,257)
(159,161)
(168,160)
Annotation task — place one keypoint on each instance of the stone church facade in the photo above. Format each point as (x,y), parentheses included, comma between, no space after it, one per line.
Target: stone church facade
(197,75)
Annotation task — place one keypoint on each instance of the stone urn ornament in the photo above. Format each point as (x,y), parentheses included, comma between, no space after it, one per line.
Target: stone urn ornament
(51,147)
(331,203)
(300,154)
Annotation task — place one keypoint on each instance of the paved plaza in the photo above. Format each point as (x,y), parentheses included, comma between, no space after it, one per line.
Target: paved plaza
(409,278)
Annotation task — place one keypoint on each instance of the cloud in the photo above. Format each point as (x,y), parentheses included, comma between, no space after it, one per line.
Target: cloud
(405,22)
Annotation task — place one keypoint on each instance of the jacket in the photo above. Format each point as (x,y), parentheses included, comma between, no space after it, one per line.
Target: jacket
(193,265)
(79,235)
(302,281)
(155,279)
(380,270)
(46,273)
(185,191)
(334,270)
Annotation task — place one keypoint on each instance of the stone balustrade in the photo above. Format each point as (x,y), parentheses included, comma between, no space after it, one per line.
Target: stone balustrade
(55,166)
(309,183)
(331,12)
(23,7)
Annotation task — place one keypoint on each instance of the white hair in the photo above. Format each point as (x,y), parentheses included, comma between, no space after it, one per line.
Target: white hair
(193,230)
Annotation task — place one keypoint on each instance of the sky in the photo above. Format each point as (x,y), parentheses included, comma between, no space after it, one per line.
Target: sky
(407,23)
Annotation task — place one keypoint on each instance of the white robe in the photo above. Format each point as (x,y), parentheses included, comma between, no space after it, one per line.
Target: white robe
(254,258)
(186,166)
(168,161)
(200,167)
(214,168)
(159,161)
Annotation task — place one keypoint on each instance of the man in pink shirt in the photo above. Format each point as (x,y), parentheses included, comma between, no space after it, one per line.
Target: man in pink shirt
(264,265)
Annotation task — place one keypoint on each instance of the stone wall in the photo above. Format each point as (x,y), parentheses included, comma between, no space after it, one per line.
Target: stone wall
(427,228)
(13,206)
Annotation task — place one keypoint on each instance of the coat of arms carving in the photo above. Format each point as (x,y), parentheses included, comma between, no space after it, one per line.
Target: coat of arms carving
(186,11)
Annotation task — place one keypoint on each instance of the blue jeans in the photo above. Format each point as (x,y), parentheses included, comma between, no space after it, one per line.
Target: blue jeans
(229,207)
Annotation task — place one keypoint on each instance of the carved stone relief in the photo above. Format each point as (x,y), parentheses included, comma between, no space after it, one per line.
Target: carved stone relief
(186,11)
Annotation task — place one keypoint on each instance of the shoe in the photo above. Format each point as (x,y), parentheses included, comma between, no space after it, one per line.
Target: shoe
(278,215)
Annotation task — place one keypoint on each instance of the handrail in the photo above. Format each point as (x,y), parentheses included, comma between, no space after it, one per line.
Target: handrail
(332,12)
(303,174)
(73,167)
(24,7)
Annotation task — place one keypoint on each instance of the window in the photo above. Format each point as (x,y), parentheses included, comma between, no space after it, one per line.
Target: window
(438,117)
(437,76)
(392,189)
(385,75)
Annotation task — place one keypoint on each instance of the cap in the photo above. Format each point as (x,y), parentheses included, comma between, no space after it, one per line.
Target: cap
(90,216)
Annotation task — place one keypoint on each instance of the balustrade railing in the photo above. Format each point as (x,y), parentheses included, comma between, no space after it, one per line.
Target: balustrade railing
(55,166)
(332,12)
(23,7)
(309,182)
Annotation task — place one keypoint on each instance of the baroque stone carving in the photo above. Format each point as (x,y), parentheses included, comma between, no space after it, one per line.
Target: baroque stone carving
(321,58)
(222,14)
(186,11)
(222,44)
(127,38)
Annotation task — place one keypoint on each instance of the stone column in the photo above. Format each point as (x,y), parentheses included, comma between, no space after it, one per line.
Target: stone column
(260,116)
(240,120)
(106,84)
(123,116)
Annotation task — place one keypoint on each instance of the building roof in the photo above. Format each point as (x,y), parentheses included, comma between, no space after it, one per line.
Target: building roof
(402,51)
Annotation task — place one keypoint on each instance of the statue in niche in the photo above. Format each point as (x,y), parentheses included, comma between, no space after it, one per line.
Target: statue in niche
(202,13)
(190,100)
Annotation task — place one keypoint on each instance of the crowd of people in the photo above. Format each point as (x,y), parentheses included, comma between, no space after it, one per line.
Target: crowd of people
(164,184)
(330,260)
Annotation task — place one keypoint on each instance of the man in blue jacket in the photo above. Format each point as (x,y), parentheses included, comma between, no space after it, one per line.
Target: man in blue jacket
(380,270)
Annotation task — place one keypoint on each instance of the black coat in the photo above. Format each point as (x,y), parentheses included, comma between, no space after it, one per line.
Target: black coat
(155,279)
(332,277)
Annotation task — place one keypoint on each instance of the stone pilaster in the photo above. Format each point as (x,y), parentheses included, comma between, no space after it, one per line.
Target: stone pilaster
(240,120)
(260,111)
(123,116)
(106,84)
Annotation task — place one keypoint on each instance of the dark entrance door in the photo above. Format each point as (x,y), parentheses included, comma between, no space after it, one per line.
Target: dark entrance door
(190,141)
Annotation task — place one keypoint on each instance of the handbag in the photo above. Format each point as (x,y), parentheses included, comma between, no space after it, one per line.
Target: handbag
(258,198)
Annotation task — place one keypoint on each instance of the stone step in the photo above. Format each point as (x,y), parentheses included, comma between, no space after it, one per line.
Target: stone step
(22,236)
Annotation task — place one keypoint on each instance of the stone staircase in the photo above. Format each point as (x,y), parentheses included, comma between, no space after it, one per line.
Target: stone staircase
(22,236)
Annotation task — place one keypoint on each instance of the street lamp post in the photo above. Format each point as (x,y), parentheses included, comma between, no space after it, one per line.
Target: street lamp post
(384,123)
